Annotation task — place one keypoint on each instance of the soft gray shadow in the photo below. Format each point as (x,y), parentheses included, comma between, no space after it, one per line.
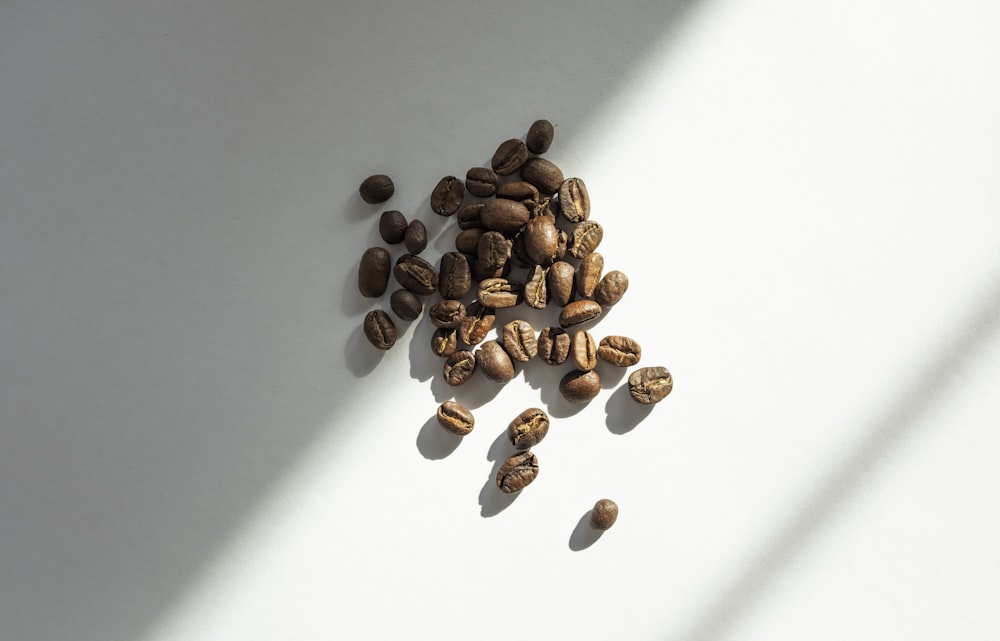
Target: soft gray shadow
(435,442)
(492,501)
(623,413)
(583,535)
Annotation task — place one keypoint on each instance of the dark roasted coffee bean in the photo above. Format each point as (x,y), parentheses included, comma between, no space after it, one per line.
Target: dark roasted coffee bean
(509,157)
(376,189)
(561,279)
(415,274)
(501,214)
(521,191)
(579,386)
(481,181)
(620,351)
(588,274)
(447,313)
(650,385)
(528,429)
(405,304)
(455,417)
(467,240)
(553,345)
(459,367)
(392,226)
(519,341)
(585,238)
(542,173)
(583,349)
(541,240)
(517,472)
(579,311)
(518,257)
(455,275)
(379,329)
(539,137)
(604,514)
(493,251)
(447,196)
(494,362)
(563,245)
(373,272)
(611,288)
(574,200)
(444,341)
(415,237)
(471,216)
(477,323)
(536,292)
(501,293)
(481,270)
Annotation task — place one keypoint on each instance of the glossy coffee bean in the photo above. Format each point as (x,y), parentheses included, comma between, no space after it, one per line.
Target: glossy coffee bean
(541,240)
(373,272)
(553,345)
(504,215)
(500,293)
(446,313)
(540,135)
(517,472)
(459,368)
(585,238)
(415,237)
(509,157)
(611,288)
(519,341)
(579,386)
(481,182)
(620,351)
(392,226)
(604,514)
(561,283)
(494,362)
(650,385)
(379,329)
(542,173)
(405,304)
(528,428)
(415,274)
(583,350)
(447,196)
(521,191)
(578,312)
(455,417)
(377,188)
(455,276)
(588,274)
(444,341)
(477,323)
(574,200)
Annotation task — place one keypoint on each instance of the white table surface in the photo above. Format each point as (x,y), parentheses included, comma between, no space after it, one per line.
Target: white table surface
(196,442)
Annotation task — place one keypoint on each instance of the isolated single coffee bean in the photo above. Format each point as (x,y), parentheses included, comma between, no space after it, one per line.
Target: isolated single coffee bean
(579,386)
(574,200)
(494,362)
(528,428)
(650,385)
(517,472)
(447,313)
(620,351)
(553,345)
(604,514)
(504,215)
(585,238)
(405,304)
(540,135)
(459,368)
(455,417)
(578,312)
(561,283)
(377,188)
(588,274)
(611,288)
(542,173)
(482,182)
(379,329)
(583,350)
(444,341)
(501,293)
(519,341)
(509,157)
(392,226)
(447,196)
(536,293)
(415,237)
(416,274)
(477,323)
(455,276)
(373,272)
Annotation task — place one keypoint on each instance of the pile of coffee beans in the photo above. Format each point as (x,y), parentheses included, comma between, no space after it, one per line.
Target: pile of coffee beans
(524,237)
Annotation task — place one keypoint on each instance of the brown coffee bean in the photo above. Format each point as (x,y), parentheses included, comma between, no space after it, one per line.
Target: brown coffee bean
(494,362)
(650,385)
(446,313)
(585,238)
(471,216)
(392,226)
(620,351)
(447,196)
(493,250)
(379,329)
(541,240)
(553,345)
(377,188)
(501,293)
(540,135)
(504,215)
(481,270)
(455,276)
(563,245)
(444,341)
(561,279)
(477,323)
(536,293)
(519,341)
(415,274)
(373,272)
(579,311)
(467,240)
(509,157)
(459,368)
(583,350)
(542,173)
(517,472)
(588,274)
(455,417)
(482,182)
(521,191)
(574,200)
(579,386)
(405,304)
(528,428)
(415,237)
(611,288)
(604,514)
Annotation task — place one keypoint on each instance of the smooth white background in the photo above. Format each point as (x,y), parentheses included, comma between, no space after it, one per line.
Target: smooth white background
(196,442)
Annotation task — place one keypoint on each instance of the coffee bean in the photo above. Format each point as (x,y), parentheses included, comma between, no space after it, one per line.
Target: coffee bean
(455,417)
(541,240)
(583,350)
(379,329)
(585,238)
(467,240)
(574,200)
(528,429)
(504,215)
(519,341)
(611,288)
(477,323)
(650,385)
(588,274)
(561,279)
(444,341)
(446,313)
(376,189)
(455,276)
(536,293)
(447,196)
(501,293)
(392,226)
(579,311)
(482,182)
(415,274)
(481,270)
(459,367)
(517,472)
(521,191)
(540,135)
(415,237)
(579,386)
(542,173)
(373,272)
(494,362)
(471,216)
(493,250)
(509,157)
(563,244)
(620,351)
(604,514)
(405,304)
(553,345)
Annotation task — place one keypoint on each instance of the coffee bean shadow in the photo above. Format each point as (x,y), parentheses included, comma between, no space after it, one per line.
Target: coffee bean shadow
(363,211)
(611,375)
(623,413)
(354,304)
(478,391)
(584,535)
(361,356)
(434,442)
(492,500)
(424,363)
(555,403)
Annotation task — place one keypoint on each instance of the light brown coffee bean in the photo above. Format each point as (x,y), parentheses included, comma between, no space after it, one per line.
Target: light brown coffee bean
(574,200)
(579,311)
(541,240)
(501,293)
(620,351)
(455,417)
(477,323)
(528,428)
(519,341)
(579,386)
(585,238)
(588,274)
(444,341)
(517,472)
(459,368)
(604,514)
(650,385)
(536,294)
(561,279)
(494,362)
(611,288)
(583,350)
(553,345)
